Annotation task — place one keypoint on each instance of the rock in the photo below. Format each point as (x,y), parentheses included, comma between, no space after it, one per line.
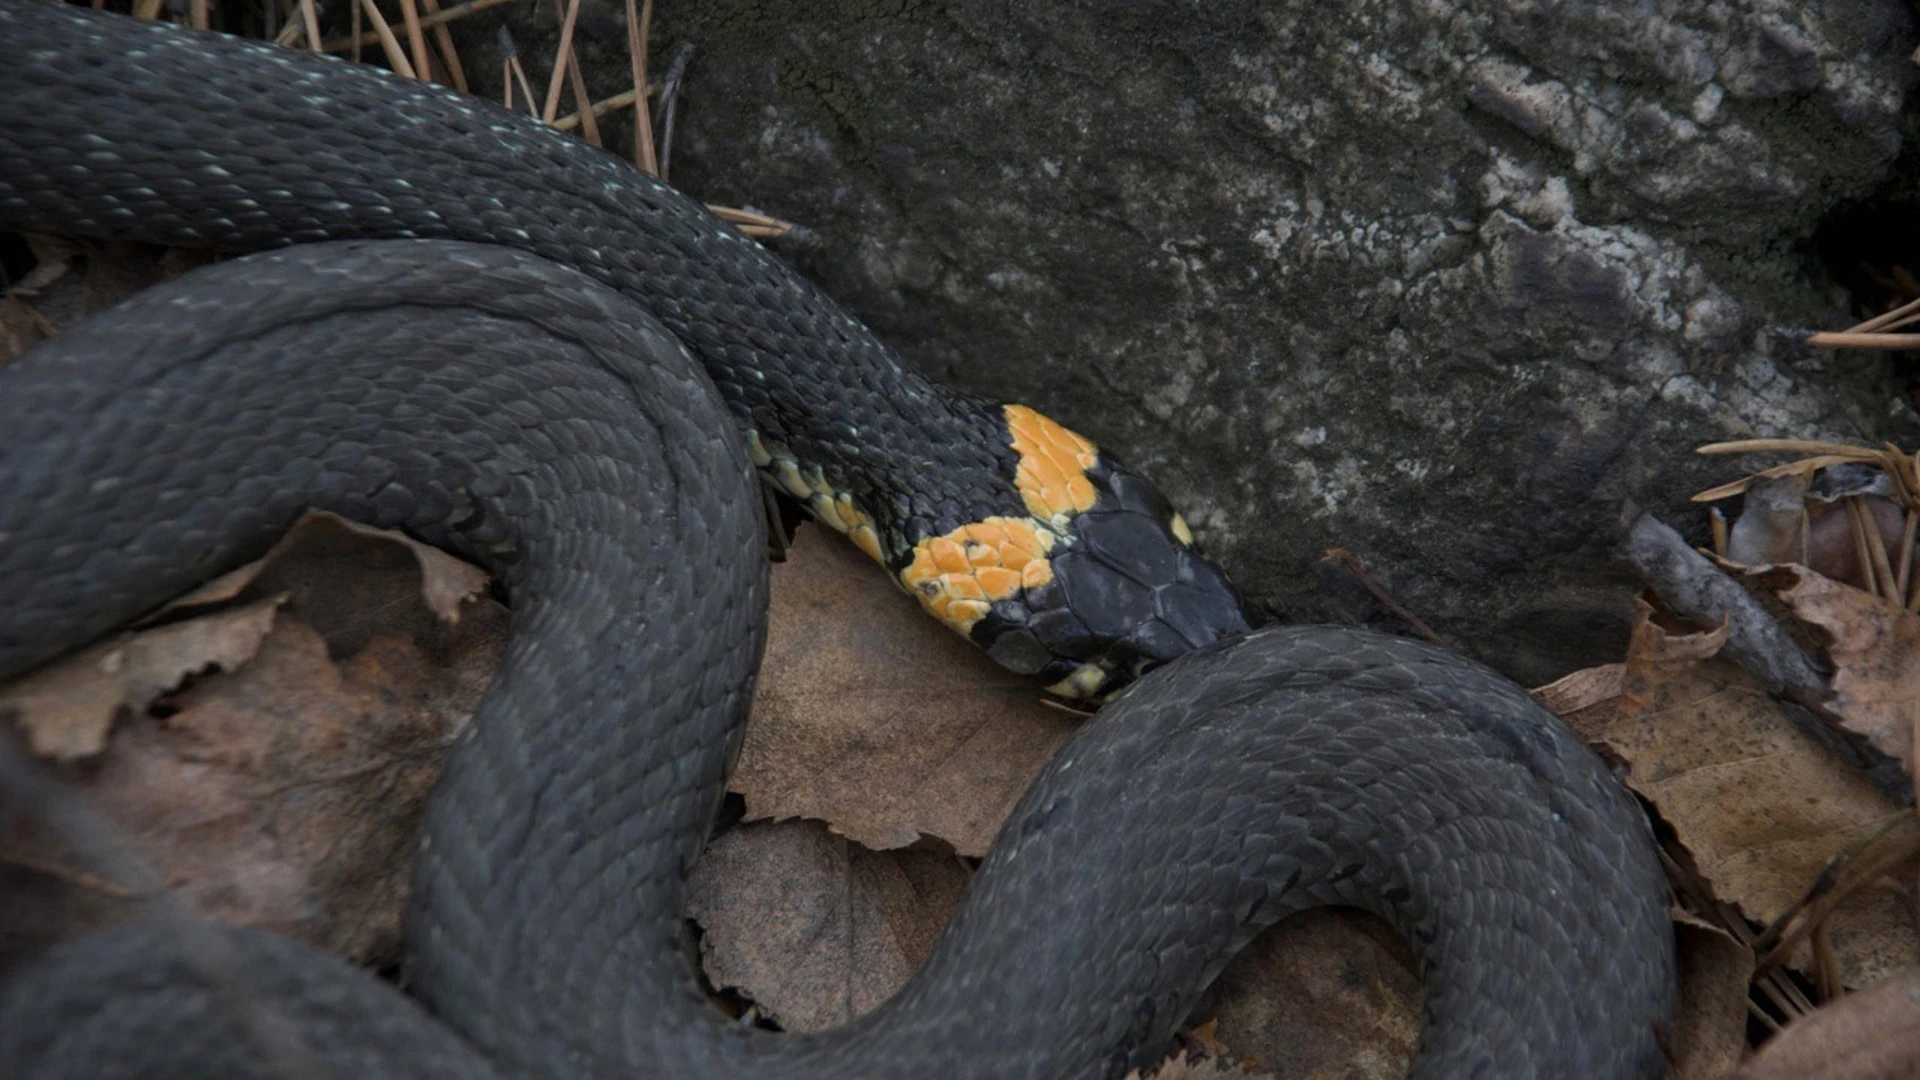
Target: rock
(1440,283)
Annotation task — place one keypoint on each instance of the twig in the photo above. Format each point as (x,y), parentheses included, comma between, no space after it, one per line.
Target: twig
(1351,563)
(1698,589)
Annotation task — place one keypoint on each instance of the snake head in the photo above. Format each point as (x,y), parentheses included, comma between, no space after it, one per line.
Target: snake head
(1095,585)
(1128,593)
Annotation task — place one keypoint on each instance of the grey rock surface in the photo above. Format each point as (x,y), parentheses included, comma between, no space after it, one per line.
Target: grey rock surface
(1439,283)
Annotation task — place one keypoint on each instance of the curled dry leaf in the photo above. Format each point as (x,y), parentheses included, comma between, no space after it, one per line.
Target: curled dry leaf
(1871,1035)
(1760,803)
(286,793)
(874,719)
(67,708)
(446,584)
(815,929)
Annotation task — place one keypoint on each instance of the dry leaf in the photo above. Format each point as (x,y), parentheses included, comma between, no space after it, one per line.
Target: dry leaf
(814,928)
(286,794)
(446,583)
(1760,804)
(1872,1035)
(876,720)
(1875,649)
(67,708)
(1710,1025)
(1328,994)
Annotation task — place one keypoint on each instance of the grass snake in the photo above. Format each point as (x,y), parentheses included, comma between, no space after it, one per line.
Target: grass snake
(514,346)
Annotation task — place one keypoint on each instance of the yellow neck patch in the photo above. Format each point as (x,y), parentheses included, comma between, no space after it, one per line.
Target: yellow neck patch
(957,576)
(1052,475)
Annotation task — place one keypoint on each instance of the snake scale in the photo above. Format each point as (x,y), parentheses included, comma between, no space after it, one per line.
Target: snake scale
(508,344)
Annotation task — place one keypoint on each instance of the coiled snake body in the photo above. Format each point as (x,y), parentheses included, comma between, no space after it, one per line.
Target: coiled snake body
(482,336)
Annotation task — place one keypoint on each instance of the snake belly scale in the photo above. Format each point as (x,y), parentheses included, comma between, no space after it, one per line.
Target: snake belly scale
(508,344)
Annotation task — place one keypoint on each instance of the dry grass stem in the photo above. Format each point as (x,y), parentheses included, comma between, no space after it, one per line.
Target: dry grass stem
(1895,841)
(356,39)
(1696,895)
(197,15)
(1882,566)
(1841,339)
(562,60)
(310,16)
(147,9)
(1905,575)
(443,41)
(621,100)
(1900,316)
(1861,525)
(639,25)
(396,59)
(1805,465)
(758,226)
(578,84)
(416,38)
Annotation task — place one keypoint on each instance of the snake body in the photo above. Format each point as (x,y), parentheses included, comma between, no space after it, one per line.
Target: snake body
(509,345)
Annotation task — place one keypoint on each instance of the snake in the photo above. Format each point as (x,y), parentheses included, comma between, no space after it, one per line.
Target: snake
(448,319)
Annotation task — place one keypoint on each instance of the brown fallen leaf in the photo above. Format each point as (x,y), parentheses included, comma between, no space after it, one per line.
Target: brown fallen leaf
(1710,1026)
(286,793)
(813,928)
(67,708)
(446,583)
(1875,650)
(1871,1035)
(1761,805)
(874,719)
(1328,994)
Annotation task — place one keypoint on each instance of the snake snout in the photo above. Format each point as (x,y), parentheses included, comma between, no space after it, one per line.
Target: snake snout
(1129,592)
